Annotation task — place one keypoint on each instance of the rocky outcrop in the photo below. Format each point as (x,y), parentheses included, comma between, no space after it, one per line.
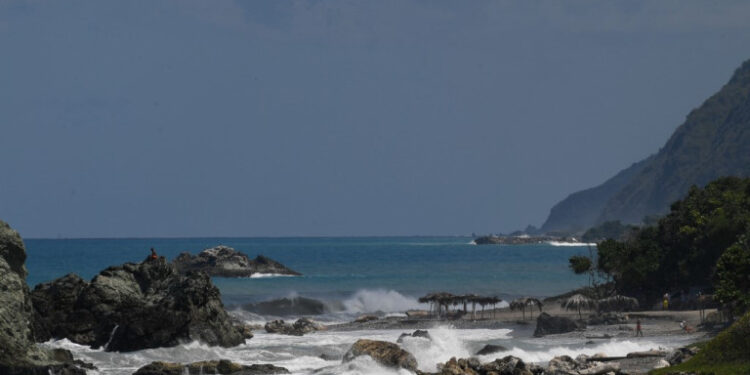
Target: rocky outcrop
(223,367)
(386,353)
(565,365)
(547,325)
(288,306)
(225,261)
(19,355)
(418,333)
(508,365)
(298,328)
(134,306)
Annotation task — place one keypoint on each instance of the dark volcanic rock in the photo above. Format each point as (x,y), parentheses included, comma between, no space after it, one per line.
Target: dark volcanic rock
(227,262)
(547,324)
(490,348)
(18,353)
(288,306)
(222,367)
(299,328)
(385,353)
(508,365)
(418,333)
(134,306)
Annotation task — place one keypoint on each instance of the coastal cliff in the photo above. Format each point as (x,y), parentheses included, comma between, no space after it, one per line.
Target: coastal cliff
(19,355)
(714,141)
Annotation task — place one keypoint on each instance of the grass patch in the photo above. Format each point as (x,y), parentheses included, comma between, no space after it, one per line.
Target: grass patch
(726,354)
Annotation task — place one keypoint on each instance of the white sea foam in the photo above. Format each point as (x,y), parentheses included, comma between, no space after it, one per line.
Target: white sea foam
(267,275)
(302,354)
(544,354)
(562,243)
(387,301)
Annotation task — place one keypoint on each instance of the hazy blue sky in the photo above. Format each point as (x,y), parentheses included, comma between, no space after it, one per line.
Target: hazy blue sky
(223,118)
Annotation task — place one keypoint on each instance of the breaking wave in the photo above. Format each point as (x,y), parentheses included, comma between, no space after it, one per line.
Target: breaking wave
(381,301)
(561,243)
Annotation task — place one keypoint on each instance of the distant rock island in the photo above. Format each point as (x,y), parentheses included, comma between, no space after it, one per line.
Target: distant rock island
(224,261)
(522,240)
(714,141)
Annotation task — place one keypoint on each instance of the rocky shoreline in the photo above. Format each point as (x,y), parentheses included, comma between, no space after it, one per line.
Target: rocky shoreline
(157,304)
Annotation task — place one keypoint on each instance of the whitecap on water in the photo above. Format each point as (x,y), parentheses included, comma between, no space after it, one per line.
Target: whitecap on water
(387,301)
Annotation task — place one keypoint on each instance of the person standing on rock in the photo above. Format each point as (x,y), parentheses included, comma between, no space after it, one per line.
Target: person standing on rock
(153,255)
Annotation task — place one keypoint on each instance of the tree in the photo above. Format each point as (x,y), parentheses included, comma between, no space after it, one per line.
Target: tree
(733,276)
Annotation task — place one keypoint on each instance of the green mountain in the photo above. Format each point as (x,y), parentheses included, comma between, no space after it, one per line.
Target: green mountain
(714,141)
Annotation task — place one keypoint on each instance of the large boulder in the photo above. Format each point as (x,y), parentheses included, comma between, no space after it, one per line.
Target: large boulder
(223,367)
(19,355)
(134,306)
(225,261)
(386,353)
(298,328)
(547,324)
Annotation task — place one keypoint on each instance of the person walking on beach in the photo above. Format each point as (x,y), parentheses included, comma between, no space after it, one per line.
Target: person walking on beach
(638,331)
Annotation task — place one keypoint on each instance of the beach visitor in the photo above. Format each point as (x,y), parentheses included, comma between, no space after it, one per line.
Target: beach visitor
(638,331)
(665,304)
(153,255)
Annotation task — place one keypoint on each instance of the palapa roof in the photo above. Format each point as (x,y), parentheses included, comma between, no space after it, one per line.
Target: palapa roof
(578,301)
(521,303)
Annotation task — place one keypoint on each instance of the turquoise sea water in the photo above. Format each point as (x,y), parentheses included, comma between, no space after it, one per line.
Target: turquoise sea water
(351,276)
(337,268)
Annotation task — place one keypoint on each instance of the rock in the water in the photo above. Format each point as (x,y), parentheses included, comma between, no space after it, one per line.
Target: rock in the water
(385,353)
(418,333)
(288,306)
(298,328)
(134,306)
(547,324)
(506,365)
(223,367)
(460,366)
(225,261)
(19,354)
(490,349)
(365,318)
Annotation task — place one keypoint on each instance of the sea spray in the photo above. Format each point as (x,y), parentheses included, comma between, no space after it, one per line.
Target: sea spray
(380,300)
(443,344)
(111,336)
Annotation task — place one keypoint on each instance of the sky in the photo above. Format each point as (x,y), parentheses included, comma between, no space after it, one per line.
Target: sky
(338,118)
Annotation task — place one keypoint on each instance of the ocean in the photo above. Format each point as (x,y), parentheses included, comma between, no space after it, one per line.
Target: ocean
(350,276)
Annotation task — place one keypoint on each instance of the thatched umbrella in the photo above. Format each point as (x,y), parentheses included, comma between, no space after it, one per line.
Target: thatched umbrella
(617,303)
(438,299)
(523,302)
(578,302)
